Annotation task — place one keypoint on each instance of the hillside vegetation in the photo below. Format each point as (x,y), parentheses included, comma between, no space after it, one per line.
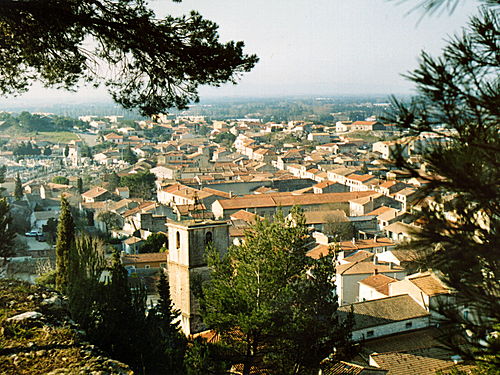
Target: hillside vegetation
(44,340)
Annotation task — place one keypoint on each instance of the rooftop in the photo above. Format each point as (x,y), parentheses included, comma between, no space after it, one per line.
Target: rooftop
(378,282)
(428,283)
(384,311)
(271,200)
(144,258)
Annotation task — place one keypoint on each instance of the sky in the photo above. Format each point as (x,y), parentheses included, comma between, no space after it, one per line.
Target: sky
(310,47)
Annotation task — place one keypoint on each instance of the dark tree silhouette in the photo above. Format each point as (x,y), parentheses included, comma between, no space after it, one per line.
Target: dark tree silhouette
(153,64)
(459,104)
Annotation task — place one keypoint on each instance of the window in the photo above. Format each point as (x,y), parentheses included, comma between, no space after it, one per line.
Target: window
(370,333)
(208,238)
(408,325)
(147,266)
(178,240)
(163,265)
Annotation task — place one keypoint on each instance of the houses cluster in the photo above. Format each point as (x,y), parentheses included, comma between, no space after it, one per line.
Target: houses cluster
(208,191)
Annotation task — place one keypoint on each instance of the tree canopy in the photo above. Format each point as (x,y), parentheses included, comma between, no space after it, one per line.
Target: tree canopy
(152,64)
(458,105)
(141,184)
(154,243)
(7,234)
(65,241)
(272,305)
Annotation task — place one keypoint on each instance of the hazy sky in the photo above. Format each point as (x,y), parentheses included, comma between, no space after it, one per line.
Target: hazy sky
(313,47)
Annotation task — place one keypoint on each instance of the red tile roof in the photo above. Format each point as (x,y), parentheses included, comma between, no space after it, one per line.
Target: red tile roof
(378,282)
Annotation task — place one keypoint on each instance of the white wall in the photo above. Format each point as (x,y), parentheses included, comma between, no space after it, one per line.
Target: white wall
(389,329)
(367,293)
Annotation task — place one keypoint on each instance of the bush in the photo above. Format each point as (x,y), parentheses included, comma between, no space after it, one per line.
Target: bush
(47,279)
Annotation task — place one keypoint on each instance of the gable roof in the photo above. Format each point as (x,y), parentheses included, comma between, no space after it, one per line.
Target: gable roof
(428,283)
(318,251)
(95,192)
(367,267)
(347,368)
(384,311)
(272,200)
(424,361)
(365,122)
(384,213)
(370,243)
(246,216)
(379,282)
(323,217)
(144,258)
(219,193)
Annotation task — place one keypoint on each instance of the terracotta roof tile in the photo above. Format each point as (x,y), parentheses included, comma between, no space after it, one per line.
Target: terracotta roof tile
(425,361)
(429,284)
(378,282)
(144,258)
(94,192)
(349,246)
(269,200)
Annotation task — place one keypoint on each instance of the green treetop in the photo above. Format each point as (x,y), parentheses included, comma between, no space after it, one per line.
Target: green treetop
(129,156)
(458,103)
(65,240)
(18,190)
(7,234)
(272,305)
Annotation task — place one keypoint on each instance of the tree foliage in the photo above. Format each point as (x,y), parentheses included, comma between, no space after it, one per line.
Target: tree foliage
(339,228)
(111,219)
(26,149)
(79,185)
(170,345)
(459,103)
(274,307)
(85,265)
(129,156)
(225,138)
(64,243)
(60,180)
(7,234)
(33,122)
(154,243)
(115,317)
(18,189)
(153,64)
(141,184)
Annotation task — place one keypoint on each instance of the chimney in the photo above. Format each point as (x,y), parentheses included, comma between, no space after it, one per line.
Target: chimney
(375,259)
(375,238)
(353,241)
(230,195)
(391,265)
(375,272)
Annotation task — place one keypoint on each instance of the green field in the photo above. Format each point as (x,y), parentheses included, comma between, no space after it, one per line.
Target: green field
(365,136)
(56,137)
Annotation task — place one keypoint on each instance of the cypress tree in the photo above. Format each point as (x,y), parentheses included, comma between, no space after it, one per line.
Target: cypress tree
(18,191)
(169,344)
(79,185)
(3,171)
(65,239)
(7,235)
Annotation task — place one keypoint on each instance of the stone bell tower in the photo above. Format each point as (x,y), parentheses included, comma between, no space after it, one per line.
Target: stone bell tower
(187,240)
